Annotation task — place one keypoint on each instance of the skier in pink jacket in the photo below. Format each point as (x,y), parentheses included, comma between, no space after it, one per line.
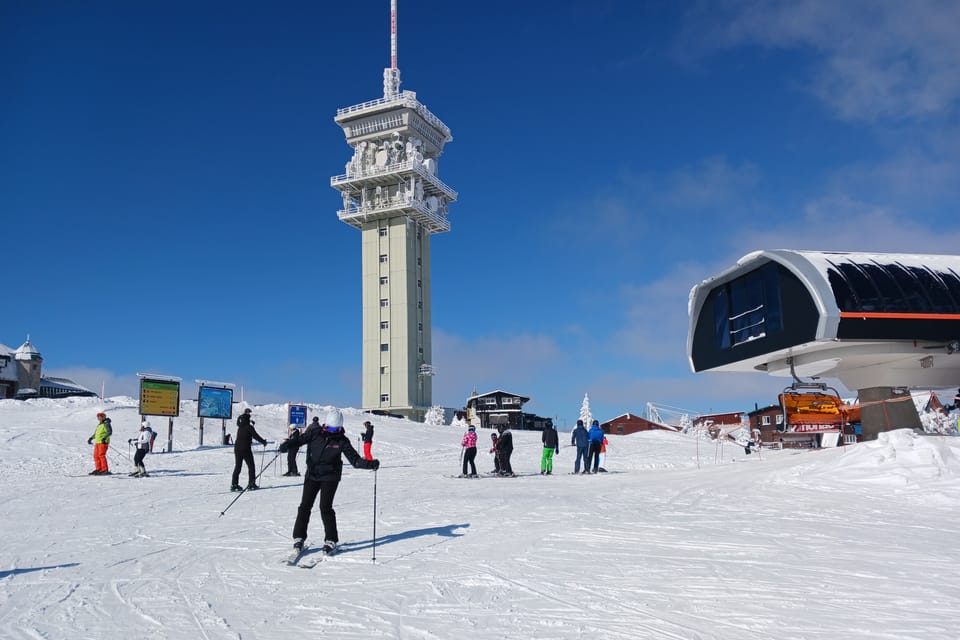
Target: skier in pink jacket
(469,444)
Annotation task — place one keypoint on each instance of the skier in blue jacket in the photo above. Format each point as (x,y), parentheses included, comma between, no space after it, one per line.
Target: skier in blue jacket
(596,443)
(582,442)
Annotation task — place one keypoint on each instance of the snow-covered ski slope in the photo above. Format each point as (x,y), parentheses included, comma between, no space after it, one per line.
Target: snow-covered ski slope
(859,542)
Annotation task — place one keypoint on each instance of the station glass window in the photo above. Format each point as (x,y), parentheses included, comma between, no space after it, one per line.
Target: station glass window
(748,307)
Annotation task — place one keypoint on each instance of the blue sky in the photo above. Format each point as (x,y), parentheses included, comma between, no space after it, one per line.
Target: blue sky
(166,208)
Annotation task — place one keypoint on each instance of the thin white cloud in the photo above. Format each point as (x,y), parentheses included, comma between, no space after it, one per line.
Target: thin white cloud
(878,59)
(844,224)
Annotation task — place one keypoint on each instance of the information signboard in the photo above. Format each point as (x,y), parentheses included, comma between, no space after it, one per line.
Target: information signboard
(215,402)
(159,398)
(298,415)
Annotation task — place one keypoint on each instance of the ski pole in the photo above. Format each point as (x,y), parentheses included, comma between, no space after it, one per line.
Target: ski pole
(263,450)
(118,451)
(244,490)
(272,460)
(374,516)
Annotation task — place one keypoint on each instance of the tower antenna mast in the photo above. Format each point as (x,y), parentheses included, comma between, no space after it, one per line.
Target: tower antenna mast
(391,76)
(393,34)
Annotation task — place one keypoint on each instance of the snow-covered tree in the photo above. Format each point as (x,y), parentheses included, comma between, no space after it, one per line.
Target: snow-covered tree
(585,414)
(434,416)
(459,422)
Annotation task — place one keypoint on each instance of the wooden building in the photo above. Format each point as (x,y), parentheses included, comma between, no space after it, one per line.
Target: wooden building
(496,408)
(630,423)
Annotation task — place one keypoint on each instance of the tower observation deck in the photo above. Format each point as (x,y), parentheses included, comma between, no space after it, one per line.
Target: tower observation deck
(392,193)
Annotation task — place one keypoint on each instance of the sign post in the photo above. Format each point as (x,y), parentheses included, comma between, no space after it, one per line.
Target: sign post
(160,396)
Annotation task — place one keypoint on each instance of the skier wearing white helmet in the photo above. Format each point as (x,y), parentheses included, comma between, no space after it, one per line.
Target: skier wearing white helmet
(326,446)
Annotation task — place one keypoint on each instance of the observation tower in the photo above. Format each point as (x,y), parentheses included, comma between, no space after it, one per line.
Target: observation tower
(393,194)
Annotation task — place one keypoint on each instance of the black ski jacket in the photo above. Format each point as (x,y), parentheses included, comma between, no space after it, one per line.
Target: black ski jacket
(246,434)
(367,435)
(325,453)
(505,443)
(550,438)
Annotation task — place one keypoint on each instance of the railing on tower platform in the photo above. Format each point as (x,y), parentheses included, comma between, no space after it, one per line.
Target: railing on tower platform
(397,167)
(407,99)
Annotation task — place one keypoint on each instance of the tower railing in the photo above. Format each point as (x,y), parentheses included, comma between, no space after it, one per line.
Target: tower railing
(397,167)
(407,99)
(433,221)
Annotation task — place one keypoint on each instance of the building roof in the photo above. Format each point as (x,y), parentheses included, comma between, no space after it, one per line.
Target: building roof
(27,351)
(491,393)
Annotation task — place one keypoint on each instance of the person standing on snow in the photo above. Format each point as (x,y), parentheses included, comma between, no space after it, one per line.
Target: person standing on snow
(495,452)
(243,452)
(292,469)
(581,439)
(505,449)
(367,437)
(101,442)
(551,445)
(469,444)
(603,454)
(326,446)
(596,437)
(143,447)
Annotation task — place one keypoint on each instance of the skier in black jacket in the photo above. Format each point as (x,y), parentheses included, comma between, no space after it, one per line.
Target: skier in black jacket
(551,445)
(242,451)
(367,437)
(326,446)
(504,451)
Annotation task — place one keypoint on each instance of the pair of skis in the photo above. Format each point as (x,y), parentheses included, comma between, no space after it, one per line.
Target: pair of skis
(316,557)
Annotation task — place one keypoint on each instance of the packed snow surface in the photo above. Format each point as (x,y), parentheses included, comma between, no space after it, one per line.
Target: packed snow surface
(682,538)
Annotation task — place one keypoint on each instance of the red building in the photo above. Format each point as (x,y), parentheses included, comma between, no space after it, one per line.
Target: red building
(630,423)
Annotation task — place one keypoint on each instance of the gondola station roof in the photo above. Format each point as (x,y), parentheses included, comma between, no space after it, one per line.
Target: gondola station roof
(869,319)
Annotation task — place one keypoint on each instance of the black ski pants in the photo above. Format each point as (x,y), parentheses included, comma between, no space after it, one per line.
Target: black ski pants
(594,456)
(138,457)
(470,455)
(505,467)
(241,456)
(327,490)
(292,460)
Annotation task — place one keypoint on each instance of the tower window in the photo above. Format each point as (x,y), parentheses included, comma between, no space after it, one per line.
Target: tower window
(383,279)
(384,347)
(384,324)
(419,283)
(384,302)
(384,397)
(383,258)
(383,232)
(384,370)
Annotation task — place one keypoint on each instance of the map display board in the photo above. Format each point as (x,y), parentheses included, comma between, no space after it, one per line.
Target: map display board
(215,402)
(159,398)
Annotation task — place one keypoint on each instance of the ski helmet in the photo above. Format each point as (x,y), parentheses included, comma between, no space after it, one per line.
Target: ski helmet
(334,418)
(101,415)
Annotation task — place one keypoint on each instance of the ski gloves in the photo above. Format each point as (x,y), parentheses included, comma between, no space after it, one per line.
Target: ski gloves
(90,440)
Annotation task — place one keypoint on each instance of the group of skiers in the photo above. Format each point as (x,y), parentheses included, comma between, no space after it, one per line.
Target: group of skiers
(327,445)
(591,446)
(101,443)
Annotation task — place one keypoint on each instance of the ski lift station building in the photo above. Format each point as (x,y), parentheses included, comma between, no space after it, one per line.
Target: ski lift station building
(880,323)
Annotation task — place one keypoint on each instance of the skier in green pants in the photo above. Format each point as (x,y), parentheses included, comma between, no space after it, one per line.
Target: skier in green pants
(551,445)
